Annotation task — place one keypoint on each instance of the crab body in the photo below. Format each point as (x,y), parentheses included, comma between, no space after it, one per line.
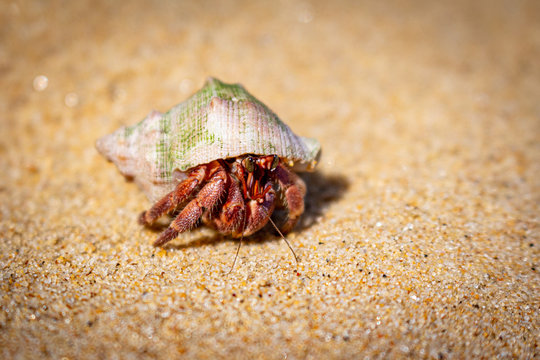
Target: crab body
(222,155)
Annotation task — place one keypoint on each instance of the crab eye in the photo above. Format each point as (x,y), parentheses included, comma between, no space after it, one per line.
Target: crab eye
(275,162)
(249,164)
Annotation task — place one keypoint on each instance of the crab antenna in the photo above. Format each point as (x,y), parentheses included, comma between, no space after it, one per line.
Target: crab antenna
(239,244)
(236,256)
(283,237)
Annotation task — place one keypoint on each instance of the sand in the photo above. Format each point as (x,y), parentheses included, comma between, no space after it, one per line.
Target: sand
(421,232)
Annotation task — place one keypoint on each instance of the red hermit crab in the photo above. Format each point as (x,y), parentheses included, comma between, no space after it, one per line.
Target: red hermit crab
(221,156)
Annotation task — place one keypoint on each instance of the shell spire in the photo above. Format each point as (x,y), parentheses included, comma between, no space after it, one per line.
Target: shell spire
(219,121)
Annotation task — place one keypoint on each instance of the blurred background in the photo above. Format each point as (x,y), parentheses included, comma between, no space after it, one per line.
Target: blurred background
(420,236)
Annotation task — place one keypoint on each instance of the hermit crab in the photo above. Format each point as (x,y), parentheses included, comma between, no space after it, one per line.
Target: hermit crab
(221,156)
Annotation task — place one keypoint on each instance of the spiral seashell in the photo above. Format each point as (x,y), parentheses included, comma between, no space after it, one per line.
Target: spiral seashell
(220,121)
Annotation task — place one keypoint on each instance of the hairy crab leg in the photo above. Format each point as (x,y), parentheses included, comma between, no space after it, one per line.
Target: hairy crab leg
(259,212)
(294,189)
(232,214)
(207,198)
(170,201)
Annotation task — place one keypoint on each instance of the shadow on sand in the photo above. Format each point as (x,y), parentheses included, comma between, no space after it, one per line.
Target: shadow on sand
(322,190)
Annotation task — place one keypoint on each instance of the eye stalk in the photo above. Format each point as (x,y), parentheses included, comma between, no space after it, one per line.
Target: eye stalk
(249,164)
(275,162)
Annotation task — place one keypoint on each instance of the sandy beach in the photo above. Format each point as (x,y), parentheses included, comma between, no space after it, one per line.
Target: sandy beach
(420,237)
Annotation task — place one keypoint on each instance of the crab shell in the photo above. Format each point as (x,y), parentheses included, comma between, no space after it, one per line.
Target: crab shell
(219,121)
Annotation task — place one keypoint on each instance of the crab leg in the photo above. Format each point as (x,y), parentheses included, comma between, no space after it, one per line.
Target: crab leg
(207,198)
(294,189)
(258,213)
(170,201)
(232,215)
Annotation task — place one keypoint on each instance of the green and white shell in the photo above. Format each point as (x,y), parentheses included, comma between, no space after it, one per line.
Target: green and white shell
(219,121)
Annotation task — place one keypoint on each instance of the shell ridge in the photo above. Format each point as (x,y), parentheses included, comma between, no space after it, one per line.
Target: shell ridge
(228,115)
(232,142)
(283,145)
(239,127)
(262,134)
